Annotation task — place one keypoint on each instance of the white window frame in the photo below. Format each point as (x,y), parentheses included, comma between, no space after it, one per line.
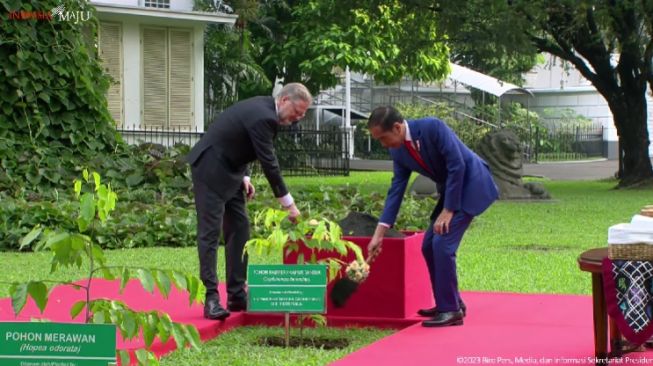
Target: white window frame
(157,4)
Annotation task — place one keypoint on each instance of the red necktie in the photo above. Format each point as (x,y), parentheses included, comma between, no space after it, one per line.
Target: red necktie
(415,155)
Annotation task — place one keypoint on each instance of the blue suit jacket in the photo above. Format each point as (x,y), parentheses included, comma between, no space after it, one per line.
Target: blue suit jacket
(463,178)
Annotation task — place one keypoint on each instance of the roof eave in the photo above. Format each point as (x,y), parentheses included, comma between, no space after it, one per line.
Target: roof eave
(198,16)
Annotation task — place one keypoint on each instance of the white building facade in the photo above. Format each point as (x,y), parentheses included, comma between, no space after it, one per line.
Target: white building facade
(154,51)
(557,87)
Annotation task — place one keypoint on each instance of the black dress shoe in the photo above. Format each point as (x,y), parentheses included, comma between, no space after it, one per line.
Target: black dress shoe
(237,305)
(213,310)
(445,319)
(431,312)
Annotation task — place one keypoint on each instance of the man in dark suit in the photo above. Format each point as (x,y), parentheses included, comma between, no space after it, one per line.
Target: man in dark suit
(219,162)
(428,146)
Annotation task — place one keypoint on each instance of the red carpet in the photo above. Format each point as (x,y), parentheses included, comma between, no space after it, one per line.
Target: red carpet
(501,328)
(63,297)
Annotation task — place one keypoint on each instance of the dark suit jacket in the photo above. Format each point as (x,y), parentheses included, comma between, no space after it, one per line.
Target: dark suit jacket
(241,134)
(462,177)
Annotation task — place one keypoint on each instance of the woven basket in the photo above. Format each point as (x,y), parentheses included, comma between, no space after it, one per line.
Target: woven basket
(631,252)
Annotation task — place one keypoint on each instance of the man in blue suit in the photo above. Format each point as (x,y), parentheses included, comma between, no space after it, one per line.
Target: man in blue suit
(428,146)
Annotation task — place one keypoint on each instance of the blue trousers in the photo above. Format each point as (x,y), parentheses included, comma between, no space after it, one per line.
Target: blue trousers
(439,252)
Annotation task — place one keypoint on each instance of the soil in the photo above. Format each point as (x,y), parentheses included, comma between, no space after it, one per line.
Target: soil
(295,341)
(362,224)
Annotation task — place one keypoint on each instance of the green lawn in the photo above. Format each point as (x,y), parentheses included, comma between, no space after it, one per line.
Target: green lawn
(514,247)
(241,347)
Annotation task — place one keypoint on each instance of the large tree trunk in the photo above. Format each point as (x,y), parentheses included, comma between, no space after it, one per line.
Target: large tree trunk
(630,118)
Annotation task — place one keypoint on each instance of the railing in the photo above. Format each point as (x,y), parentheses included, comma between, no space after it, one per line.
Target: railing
(301,152)
(158,135)
(359,94)
(564,142)
(305,152)
(555,143)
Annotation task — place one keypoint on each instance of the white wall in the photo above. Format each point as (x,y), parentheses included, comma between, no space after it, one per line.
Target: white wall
(179,5)
(559,86)
(132,65)
(118,2)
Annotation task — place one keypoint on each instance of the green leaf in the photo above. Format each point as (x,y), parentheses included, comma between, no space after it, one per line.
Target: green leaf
(124,357)
(99,317)
(86,211)
(193,288)
(149,331)
(39,292)
(128,324)
(178,335)
(18,293)
(179,280)
(27,239)
(77,187)
(77,308)
(141,356)
(124,278)
(134,179)
(107,274)
(165,327)
(163,283)
(96,179)
(193,336)
(145,276)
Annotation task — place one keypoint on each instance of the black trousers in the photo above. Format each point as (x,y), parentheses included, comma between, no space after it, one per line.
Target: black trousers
(216,216)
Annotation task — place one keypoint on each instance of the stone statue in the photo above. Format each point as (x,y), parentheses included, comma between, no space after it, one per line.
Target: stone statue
(502,151)
(423,187)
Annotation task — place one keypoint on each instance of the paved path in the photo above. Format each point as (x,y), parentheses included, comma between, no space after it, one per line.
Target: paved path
(581,170)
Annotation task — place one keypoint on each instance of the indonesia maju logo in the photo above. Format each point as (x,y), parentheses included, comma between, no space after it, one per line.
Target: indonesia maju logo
(59,13)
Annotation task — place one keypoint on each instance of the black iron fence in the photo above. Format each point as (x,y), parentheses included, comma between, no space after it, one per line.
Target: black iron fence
(565,142)
(301,152)
(305,152)
(158,135)
(556,142)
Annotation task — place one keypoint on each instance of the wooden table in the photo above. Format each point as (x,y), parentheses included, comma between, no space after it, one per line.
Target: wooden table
(591,261)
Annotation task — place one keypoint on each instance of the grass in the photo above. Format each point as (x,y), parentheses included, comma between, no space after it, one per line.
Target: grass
(527,247)
(367,181)
(240,347)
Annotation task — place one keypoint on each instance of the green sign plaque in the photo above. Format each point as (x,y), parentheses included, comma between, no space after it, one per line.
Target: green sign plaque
(287,288)
(57,344)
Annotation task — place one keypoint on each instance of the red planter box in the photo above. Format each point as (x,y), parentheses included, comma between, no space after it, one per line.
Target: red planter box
(398,284)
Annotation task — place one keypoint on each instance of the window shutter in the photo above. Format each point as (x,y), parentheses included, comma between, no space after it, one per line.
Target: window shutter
(111,58)
(181,79)
(155,77)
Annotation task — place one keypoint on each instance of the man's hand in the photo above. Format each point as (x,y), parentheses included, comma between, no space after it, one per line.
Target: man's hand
(376,243)
(441,224)
(249,188)
(374,248)
(293,212)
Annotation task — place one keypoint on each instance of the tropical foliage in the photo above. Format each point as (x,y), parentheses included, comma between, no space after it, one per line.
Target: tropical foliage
(95,205)
(609,42)
(52,97)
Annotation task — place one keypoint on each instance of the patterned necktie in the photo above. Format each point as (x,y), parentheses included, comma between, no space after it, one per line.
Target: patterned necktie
(415,155)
